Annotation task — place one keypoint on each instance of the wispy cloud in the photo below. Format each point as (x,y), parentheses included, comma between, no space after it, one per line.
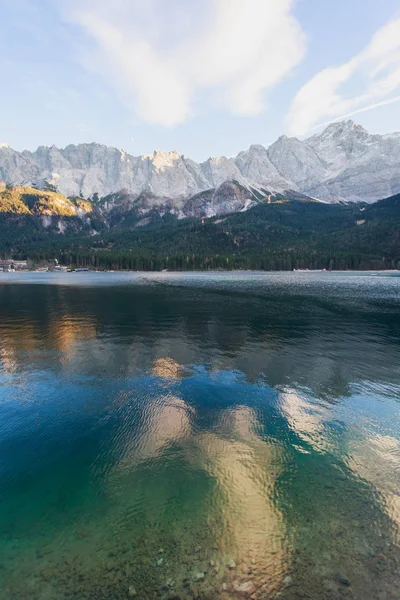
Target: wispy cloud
(387,102)
(375,72)
(160,56)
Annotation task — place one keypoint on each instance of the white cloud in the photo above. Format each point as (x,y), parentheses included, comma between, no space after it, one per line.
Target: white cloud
(159,55)
(375,72)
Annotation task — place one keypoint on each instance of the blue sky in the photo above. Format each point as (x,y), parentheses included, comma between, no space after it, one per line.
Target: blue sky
(205,77)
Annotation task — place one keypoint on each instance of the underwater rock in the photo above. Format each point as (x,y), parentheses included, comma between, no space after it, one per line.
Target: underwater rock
(247,569)
(131,591)
(343,580)
(245,589)
(129,570)
(288,580)
(160,561)
(47,574)
(231,564)
(200,576)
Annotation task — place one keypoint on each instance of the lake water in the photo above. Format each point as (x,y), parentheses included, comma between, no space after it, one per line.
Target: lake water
(219,435)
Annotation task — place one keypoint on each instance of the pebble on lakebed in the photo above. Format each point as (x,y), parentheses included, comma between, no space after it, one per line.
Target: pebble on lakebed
(343,580)
(245,589)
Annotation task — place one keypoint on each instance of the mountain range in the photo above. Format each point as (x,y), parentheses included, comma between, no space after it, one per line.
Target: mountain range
(313,203)
(343,163)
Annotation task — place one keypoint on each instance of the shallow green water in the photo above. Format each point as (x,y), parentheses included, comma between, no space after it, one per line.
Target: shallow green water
(199,436)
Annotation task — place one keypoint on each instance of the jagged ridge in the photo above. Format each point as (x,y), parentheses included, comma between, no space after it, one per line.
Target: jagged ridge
(344,162)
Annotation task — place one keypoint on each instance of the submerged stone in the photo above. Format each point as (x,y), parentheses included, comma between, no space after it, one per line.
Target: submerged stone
(245,589)
(47,574)
(343,580)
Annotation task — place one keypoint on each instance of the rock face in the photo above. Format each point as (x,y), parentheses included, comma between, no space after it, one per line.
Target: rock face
(360,166)
(344,162)
(300,163)
(256,166)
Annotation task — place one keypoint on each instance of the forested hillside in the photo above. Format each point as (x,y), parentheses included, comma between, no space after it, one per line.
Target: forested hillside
(279,235)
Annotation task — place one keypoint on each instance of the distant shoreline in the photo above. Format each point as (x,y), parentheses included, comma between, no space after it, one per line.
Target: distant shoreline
(214,271)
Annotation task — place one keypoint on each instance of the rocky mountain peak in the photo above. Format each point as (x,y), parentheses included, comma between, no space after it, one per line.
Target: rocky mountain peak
(161,159)
(257,149)
(340,129)
(166,154)
(284,138)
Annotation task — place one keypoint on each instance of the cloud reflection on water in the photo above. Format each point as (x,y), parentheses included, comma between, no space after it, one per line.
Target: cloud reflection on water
(242,465)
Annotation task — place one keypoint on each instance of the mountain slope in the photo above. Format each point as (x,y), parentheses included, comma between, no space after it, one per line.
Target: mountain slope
(282,225)
(27,200)
(282,234)
(29,216)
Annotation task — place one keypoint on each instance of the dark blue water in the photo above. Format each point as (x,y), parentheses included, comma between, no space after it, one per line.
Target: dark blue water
(224,435)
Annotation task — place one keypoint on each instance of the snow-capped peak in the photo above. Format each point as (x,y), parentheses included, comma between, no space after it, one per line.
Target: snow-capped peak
(340,129)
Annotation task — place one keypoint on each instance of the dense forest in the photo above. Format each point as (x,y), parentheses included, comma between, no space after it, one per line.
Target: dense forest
(280,235)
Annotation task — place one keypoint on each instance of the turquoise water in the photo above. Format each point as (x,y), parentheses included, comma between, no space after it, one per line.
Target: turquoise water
(219,435)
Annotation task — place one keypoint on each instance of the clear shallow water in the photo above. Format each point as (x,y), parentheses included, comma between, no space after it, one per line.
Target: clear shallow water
(199,436)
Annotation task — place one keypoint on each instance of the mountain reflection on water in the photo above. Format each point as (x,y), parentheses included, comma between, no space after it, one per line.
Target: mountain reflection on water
(199,436)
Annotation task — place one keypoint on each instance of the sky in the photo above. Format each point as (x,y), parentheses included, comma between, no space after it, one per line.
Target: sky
(204,77)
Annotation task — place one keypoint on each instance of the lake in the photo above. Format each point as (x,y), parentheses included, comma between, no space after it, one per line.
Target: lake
(199,435)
